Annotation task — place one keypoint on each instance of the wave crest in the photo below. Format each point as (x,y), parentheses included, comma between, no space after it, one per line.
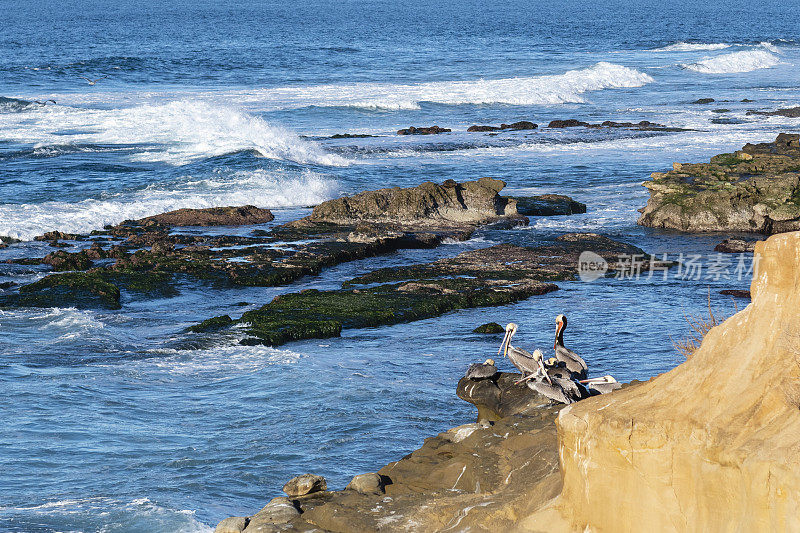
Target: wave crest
(691,47)
(270,189)
(735,62)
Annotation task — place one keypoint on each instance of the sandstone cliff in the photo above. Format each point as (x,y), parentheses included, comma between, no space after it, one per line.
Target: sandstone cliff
(713,445)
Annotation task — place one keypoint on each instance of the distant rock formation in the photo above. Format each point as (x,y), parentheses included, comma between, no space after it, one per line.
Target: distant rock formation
(431,130)
(213,216)
(756,189)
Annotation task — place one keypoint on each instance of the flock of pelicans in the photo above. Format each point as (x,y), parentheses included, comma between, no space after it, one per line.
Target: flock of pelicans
(562,378)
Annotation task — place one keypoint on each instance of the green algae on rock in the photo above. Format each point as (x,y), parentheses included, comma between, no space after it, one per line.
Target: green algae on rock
(73,289)
(756,189)
(491,327)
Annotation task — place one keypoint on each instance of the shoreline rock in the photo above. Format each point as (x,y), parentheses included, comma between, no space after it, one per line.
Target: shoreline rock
(754,190)
(431,130)
(246,215)
(548,205)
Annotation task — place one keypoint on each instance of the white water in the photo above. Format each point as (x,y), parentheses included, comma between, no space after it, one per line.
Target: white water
(735,62)
(263,188)
(691,47)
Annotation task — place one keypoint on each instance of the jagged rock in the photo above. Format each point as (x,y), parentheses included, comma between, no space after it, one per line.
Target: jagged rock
(756,189)
(213,216)
(432,130)
(735,246)
(234,524)
(738,293)
(569,123)
(703,101)
(491,327)
(476,128)
(305,484)
(521,125)
(548,205)
(791,112)
(62,261)
(74,289)
(370,483)
(56,236)
(469,202)
(697,448)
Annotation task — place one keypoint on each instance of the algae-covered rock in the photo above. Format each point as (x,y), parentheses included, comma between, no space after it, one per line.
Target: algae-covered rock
(211,324)
(756,189)
(213,216)
(489,328)
(62,261)
(74,289)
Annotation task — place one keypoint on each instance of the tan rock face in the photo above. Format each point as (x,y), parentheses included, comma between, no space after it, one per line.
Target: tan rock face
(305,484)
(714,444)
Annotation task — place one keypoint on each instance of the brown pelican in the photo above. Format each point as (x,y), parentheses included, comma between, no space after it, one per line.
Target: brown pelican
(559,389)
(525,361)
(478,371)
(573,361)
(602,385)
(92,82)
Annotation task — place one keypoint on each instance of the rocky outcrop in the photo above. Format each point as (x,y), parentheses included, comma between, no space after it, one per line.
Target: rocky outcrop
(756,189)
(735,246)
(517,126)
(489,328)
(644,125)
(711,445)
(499,397)
(703,101)
(213,216)
(791,112)
(481,478)
(470,202)
(486,277)
(431,130)
(305,484)
(74,289)
(548,205)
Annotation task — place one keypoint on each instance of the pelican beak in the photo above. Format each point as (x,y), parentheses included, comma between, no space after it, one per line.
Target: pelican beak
(502,344)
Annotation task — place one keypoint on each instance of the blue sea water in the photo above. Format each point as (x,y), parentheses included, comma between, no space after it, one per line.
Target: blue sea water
(119,421)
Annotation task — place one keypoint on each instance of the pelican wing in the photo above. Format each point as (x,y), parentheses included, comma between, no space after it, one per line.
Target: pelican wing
(523,360)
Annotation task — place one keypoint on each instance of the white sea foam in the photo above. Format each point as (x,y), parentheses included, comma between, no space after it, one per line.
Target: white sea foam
(176,132)
(691,47)
(263,188)
(735,62)
(224,360)
(534,90)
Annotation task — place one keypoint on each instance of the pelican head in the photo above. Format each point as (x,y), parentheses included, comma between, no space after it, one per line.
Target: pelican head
(511,329)
(489,362)
(561,324)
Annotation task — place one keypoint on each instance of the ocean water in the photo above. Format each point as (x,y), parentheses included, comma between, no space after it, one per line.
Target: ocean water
(118,421)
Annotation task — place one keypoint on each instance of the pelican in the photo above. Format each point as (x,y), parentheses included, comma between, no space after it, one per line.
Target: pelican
(573,361)
(525,361)
(92,82)
(602,385)
(556,388)
(478,371)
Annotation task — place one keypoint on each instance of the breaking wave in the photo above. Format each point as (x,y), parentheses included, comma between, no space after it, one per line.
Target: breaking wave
(691,47)
(735,62)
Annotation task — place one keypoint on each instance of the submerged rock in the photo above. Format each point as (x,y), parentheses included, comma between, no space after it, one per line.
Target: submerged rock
(479,129)
(756,189)
(735,246)
(568,123)
(703,101)
(520,125)
(491,327)
(738,293)
(74,289)
(213,216)
(432,130)
(548,205)
(644,125)
(305,484)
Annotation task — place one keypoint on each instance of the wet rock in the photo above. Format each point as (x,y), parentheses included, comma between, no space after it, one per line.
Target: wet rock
(476,128)
(56,236)
(703,101)
(521,125)
(735,246)
(491,327)
(234,524)
(721,110)
(548,205)
(756,189)
(568,123)
(62,261)
(305,484)
(432,130)
(370,483)
(791,112)
(75,289)
(738,293)
(351,136)
(212,324)
(469,202)
(213,216)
